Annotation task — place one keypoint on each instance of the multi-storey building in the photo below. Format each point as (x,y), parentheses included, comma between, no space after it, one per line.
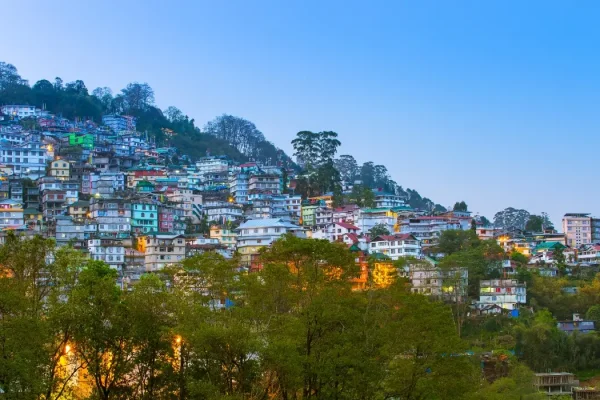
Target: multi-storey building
(429,229)
(258,233)
(595,230)
(119,123)
(577,228)
(161,250)
(212,164)
(239,182)
(112,215)
(222,211)
(11,214)
(429,279)
(387,200)
(69,230)
(189,202)
(31,197)
(16,190)
(226,237)
(137,174)
(79,210)
(104,184)
(144,218)
(369,217)
(53,203)
(170,219)
(293,206)
(27,160)
(265,183)
(21,111)
(505,293)
(111,251)
(589,254)
(60,169)
(396,246)
(323,216)
(335,231)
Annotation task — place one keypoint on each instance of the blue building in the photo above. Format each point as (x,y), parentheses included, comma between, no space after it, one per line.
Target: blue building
(144,218)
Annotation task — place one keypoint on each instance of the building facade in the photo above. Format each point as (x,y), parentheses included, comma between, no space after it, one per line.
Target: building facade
(577,228)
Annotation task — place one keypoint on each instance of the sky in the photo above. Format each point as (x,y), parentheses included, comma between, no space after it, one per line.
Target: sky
(490,102)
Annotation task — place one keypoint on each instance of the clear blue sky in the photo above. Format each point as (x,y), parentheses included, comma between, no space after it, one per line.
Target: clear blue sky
(491,102)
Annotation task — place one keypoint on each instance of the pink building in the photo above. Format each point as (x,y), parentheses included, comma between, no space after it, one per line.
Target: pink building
(577,228)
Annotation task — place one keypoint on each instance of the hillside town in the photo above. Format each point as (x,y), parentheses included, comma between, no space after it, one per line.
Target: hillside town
(110,191)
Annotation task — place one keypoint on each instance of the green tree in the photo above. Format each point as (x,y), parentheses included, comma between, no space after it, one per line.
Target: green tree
(535,223)
(593,314)
(102,332)
(378,230)
(518,385)
(460,206)
(452,241)
(520,258)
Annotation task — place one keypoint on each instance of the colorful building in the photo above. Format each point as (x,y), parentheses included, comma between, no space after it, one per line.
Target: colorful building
(144,218)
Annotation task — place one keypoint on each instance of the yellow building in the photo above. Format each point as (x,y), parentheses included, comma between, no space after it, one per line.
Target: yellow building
(60,169)
(79,209)
(225,236)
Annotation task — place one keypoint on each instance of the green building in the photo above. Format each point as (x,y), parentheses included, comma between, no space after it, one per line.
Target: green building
(86,141)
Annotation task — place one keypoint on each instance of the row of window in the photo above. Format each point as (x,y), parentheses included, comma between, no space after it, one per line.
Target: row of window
(264,230)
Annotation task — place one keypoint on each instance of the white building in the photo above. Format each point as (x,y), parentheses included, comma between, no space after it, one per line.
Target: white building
(387,200)
(429,229)
(258,233)
(369,217)
(189,202)
(589,254)
(24,160)
(335,231)
(396,246)
(112,215)
(103,184)
(323,216)
(11,214)
(505,293)
(222,211)
(22,111)
(211,165)
(110,251)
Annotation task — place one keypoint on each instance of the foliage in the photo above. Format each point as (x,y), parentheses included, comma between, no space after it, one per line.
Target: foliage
(452,241)
(296,330)
(378,230)
(481,258)
(511,218)
(460,206)
(535,223)
(316,152)
(519,258)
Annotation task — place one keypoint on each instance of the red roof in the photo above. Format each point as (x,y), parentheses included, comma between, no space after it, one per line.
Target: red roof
(352,236)
(346,225)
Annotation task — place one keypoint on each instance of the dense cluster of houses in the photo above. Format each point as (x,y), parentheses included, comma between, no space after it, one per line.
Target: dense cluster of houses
(110,191)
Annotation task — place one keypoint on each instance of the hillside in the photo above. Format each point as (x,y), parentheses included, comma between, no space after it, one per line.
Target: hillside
(227,135)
